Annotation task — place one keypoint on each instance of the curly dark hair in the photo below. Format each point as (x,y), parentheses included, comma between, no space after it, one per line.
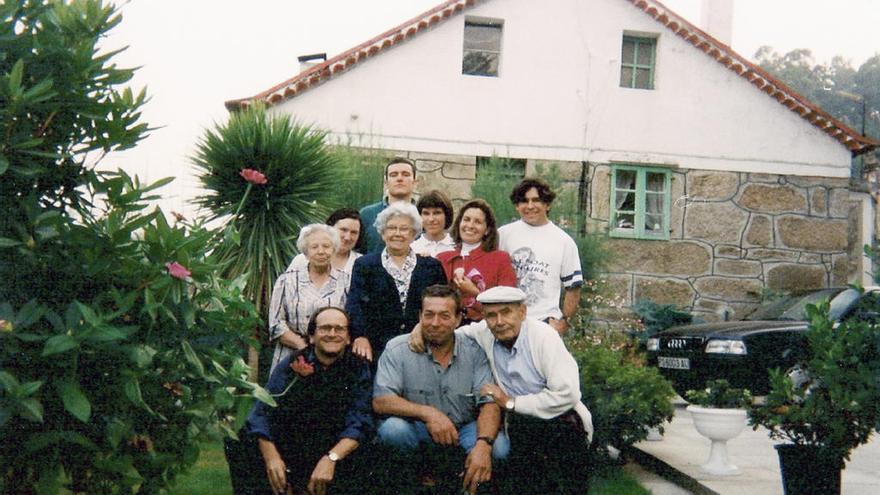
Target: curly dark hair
(518,195)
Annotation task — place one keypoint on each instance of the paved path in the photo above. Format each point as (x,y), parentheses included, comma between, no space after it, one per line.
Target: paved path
(683,450)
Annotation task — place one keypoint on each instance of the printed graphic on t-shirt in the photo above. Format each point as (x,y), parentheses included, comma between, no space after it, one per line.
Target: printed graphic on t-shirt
(530,273)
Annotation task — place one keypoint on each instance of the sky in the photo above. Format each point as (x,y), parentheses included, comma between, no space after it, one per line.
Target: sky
(196,54)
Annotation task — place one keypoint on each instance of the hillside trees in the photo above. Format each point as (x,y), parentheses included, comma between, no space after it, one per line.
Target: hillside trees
(837,87)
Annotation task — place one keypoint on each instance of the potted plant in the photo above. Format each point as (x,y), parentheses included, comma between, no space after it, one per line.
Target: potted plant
(827,406)
(719,414)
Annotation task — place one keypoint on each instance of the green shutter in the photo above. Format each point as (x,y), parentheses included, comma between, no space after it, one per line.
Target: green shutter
(640,202)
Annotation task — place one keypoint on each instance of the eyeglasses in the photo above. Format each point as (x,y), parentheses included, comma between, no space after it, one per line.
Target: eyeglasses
(327,329)
(403,229)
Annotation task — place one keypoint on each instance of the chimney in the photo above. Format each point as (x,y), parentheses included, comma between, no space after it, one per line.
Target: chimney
(306,62)
(717,19)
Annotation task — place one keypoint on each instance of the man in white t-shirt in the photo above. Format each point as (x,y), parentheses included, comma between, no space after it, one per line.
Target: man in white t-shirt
(545,258)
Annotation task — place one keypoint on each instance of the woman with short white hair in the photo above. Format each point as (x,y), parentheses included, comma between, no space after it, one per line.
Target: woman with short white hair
(386,287)
(352,240)
(300,290)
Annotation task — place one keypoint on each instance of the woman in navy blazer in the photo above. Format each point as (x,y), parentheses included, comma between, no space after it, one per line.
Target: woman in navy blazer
(386,288)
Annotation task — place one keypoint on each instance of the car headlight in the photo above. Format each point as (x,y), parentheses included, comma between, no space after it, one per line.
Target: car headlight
(737,347)
(653,344)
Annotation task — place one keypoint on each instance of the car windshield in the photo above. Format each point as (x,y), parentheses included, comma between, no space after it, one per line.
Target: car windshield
(798,310)
(848,299)
(772,310)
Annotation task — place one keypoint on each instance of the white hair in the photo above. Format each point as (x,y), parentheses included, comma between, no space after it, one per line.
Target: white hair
(399,209)
(302,242)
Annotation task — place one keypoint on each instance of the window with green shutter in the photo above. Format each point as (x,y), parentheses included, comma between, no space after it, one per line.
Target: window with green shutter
(640,201)
(637,62)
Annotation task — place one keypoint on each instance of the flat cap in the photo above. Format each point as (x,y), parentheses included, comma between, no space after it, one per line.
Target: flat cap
(501,295)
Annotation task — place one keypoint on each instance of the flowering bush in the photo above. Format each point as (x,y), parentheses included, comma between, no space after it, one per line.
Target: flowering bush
(253,176)
(265,176)
(624,396)
(120,344)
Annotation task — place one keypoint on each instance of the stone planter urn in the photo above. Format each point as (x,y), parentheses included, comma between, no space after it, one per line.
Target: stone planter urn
(719,426)
(654,434)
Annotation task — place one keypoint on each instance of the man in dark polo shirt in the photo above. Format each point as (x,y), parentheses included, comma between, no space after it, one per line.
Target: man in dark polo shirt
(400,183)
(432,398)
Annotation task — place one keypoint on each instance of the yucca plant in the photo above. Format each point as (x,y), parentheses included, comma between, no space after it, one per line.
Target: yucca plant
(266,176)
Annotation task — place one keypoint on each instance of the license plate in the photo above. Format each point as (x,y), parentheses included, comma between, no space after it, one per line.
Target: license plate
(674,363)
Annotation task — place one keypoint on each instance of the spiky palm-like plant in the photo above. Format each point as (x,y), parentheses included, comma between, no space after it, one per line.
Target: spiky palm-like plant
(267,176)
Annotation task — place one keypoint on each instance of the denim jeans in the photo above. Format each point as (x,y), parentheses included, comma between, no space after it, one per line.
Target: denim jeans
(407,435)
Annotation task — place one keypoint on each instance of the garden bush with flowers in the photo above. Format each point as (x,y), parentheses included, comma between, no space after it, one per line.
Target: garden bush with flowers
(119,345)
(624,395)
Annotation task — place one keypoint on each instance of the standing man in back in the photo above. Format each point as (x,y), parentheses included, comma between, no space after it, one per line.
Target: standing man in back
(400,182)
(545,258)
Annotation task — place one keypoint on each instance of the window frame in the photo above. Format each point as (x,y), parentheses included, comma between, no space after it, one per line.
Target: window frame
(482,22)
(640,204)
(635,65)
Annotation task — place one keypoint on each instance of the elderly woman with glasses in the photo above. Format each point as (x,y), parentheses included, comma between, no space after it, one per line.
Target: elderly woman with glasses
(386,287)
(302,289)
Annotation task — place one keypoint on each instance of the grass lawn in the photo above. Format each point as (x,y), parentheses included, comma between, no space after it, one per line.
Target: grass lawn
(210,476)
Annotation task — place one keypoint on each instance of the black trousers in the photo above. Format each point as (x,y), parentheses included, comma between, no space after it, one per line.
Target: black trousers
(248,471)
(547,456)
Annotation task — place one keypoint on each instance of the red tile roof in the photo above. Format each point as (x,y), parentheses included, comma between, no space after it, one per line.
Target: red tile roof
(704,42)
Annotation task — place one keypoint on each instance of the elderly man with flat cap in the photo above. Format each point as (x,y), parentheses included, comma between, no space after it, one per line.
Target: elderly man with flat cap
(548,426)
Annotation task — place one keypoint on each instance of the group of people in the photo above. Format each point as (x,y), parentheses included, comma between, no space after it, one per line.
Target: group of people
(441,342)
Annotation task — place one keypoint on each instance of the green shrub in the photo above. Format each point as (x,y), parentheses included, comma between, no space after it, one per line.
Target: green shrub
(832,400)
(494,182)
(720,395)
(118,342)
(624,396)
(658,317)
(363,170)
(265,218)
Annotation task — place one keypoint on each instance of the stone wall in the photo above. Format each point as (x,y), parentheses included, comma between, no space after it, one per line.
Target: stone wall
(734,236)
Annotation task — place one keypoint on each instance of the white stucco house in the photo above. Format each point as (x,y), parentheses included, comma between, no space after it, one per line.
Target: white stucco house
(713,179)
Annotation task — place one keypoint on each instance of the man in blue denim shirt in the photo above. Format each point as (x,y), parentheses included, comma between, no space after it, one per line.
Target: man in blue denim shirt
(432,398)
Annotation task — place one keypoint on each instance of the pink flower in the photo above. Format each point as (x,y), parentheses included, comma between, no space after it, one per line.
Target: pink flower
(177,270)
(252,176)
(302,367)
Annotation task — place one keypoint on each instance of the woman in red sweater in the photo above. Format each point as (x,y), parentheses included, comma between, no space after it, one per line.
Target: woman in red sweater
(476,264)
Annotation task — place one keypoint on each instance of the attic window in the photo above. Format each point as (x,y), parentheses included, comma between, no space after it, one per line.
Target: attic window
(637,62)
(482,46)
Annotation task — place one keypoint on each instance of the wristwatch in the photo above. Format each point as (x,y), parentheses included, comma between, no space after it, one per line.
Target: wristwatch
(510,404)
(333,456)
(488,440)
